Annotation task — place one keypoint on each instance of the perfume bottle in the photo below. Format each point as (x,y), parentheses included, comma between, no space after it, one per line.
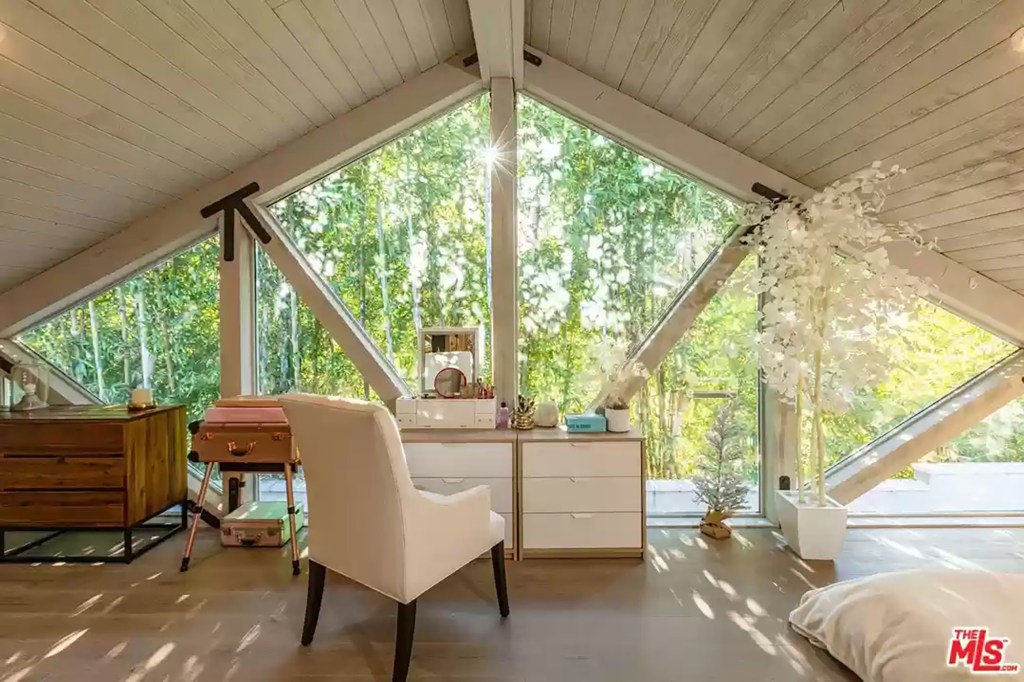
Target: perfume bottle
(501,421)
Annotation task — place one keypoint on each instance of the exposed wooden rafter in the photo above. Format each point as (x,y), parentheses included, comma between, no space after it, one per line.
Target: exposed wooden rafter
(498,33)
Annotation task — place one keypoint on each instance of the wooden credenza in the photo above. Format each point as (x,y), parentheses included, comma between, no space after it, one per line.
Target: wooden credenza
(91,467)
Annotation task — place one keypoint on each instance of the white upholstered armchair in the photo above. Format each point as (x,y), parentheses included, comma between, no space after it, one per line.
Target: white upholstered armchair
(371,524)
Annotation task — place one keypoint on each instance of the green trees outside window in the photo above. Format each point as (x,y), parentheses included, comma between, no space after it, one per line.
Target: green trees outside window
(937,351)
(401,235)
(158,329)
(294,351)
(713,363)
(606,239)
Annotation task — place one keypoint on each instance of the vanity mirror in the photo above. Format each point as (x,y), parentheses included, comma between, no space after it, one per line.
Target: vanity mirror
(443,349)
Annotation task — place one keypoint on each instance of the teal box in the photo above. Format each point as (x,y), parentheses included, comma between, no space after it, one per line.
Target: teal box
(586,423)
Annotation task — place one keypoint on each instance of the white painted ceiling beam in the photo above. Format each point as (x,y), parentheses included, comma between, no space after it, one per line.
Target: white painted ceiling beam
(287,168)
(951,416)
(676,145)
(498,33)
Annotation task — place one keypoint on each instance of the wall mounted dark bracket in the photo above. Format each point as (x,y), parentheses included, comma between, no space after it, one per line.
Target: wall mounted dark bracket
(231,204)
(767,192)
(528,57)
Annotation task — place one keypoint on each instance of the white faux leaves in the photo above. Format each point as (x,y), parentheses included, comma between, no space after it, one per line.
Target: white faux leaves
(831,288)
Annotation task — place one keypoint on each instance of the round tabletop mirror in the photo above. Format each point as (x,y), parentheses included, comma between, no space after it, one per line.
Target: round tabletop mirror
(449,382)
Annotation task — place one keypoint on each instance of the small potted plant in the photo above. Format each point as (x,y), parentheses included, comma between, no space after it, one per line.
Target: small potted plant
(619,388)
(719,481)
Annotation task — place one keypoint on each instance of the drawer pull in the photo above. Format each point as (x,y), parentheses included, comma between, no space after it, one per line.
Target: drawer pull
(580,515)
(239,452)
(453,480)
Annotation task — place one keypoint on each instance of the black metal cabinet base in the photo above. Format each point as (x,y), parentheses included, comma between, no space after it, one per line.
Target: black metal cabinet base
(129,552)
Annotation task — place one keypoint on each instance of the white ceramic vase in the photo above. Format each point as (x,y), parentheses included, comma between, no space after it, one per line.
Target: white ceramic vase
(618,420)
(812,531)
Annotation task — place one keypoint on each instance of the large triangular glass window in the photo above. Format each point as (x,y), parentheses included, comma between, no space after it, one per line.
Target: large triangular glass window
(401,235)
(606,239)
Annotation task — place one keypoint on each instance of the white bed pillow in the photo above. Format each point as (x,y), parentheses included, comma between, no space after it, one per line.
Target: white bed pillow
(896,627)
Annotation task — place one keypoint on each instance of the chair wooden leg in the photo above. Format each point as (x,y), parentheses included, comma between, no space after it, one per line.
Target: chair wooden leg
(403,640)
(498,563)
(314,595)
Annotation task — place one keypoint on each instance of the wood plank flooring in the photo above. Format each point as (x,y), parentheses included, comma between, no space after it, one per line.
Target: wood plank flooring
(694,610)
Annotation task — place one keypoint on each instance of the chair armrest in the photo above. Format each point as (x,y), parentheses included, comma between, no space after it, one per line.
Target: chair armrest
(445,534)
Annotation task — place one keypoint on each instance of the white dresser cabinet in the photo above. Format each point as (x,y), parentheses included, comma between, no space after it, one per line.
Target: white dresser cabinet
(449,461)
(581,494)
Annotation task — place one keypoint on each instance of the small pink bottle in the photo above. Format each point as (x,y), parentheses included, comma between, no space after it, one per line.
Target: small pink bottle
(502,419)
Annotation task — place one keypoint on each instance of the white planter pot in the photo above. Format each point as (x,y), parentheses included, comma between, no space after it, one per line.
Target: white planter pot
(618,420)
(813,532)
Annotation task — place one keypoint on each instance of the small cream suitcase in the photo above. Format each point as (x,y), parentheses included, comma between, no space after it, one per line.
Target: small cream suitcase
(259,524)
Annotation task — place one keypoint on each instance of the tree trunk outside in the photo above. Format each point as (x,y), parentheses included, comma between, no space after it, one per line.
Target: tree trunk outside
(122,312)
(96,356)
(140,318)
(382,272)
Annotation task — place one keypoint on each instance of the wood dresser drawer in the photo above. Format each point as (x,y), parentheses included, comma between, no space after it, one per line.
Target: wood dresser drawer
(580,530)
(459,460)
(592,459)
(582,494)
(501,489)
(73,438)
(43,472)
(62,509)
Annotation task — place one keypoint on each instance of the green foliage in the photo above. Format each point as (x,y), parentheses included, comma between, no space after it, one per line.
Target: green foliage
(937,352)
(606,239)
(170,314)
(402,237)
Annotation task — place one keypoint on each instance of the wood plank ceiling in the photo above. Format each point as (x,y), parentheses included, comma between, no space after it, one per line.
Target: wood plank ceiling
(111,108)
(819,88)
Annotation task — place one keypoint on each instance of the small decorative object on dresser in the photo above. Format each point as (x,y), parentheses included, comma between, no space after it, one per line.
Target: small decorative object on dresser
(719,480)
(141,399)
(620,386)
(33,379)
(546,415)
(523,417)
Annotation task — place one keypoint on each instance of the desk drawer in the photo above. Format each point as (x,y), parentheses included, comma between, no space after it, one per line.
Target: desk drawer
(582,531)
(459,460)
(62,509)
(69,438)
(38,472)
(618,458)
(582,494)
(501,489)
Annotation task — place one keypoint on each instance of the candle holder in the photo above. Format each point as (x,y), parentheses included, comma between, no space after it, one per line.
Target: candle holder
(141,399)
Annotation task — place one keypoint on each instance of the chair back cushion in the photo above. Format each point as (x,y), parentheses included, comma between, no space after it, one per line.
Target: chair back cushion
(356,480)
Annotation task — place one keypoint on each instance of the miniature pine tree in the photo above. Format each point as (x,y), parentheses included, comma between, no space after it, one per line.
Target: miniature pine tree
(719,480)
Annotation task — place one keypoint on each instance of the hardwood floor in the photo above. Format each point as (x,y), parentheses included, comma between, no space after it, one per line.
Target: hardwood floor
(694,610)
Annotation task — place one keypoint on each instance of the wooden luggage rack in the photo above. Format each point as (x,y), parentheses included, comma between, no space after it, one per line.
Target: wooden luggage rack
(250,436)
